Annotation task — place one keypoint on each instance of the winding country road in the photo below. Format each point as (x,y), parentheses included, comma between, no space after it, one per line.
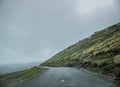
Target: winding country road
(67,77)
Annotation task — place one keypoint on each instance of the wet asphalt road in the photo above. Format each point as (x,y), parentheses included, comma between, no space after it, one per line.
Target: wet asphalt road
(67,77)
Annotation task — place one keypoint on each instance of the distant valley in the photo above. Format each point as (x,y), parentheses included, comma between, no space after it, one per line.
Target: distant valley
(9,68)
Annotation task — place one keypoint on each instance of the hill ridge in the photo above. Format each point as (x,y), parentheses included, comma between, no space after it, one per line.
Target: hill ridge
(98,53)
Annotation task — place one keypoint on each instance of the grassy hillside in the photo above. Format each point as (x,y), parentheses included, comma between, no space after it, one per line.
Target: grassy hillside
(99,53)
(16,77)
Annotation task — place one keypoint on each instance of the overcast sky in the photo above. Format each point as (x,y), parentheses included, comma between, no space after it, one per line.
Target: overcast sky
(35,30)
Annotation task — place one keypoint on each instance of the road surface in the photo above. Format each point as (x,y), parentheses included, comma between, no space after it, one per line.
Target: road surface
(67,77)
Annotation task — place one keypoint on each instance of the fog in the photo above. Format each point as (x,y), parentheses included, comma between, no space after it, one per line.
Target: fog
(35,30)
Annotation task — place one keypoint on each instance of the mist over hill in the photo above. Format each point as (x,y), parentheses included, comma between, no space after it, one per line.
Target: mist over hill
(9,68)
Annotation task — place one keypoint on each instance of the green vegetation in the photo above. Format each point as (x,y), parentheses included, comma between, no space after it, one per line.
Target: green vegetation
(99,53)
(16,77)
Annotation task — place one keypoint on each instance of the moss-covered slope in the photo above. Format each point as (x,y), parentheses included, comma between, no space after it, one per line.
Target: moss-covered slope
(99,53)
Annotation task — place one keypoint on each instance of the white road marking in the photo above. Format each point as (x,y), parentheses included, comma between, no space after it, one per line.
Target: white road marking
(62,80)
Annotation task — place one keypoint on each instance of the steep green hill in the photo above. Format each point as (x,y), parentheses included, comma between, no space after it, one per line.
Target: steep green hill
(99,53)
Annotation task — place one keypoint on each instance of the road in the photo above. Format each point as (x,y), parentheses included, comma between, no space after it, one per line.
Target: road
(67,77)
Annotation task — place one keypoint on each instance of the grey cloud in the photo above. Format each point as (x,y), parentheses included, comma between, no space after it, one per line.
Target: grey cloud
(34,30)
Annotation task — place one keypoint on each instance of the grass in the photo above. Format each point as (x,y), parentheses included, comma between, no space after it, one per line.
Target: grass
(29,73)
(99,53)
(17,77)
